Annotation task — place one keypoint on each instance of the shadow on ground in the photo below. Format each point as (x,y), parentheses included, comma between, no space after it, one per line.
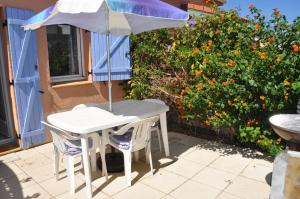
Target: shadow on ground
(10,186)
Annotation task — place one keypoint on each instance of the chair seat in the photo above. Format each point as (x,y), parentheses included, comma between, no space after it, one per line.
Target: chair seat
(122,141)
(73,147)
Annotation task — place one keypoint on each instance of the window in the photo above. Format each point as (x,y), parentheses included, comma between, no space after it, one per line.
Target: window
(65,53)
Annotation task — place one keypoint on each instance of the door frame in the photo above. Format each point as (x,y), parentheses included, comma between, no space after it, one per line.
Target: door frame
(5,88)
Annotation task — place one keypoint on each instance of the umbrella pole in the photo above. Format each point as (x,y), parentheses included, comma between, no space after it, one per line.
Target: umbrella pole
(108,60)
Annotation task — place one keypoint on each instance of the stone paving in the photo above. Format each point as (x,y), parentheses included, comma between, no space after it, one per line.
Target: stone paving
(197,169)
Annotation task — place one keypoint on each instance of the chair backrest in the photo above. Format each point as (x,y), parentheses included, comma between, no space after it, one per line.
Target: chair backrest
(59,136)
(140,132)
(158,101)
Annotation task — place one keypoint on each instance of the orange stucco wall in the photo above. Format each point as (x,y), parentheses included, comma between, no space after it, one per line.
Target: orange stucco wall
(62,96)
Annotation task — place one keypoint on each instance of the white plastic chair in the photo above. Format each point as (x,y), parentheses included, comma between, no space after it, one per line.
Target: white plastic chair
(130,138)
(63,142)
(155,126)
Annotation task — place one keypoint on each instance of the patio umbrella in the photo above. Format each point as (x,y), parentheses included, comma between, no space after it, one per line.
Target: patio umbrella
(118,17)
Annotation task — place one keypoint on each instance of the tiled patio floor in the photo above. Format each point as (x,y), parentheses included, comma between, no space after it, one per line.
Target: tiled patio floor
(196,169)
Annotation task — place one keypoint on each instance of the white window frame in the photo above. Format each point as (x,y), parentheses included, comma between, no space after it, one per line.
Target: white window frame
(81,69)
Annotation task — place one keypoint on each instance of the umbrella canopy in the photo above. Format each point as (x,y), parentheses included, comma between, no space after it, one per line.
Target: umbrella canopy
(118,17)
(124,16)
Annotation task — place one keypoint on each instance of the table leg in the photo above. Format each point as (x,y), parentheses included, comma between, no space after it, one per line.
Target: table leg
(86,165)
(164,132)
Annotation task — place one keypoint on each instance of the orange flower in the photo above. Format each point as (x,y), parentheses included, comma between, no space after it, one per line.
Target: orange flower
(286,83)
(199,88)
(217,31)
(263,106)
(232,80)
(214,80)
(210,42)
(263,55)
(257,26)
(251,6)
(262,97)
(236,52)
(226,40)
(295,48)
(286,97)
(204,60)
(225,83)
(196,51)
(198,73)
(258,141)
(230,63)
(278,60)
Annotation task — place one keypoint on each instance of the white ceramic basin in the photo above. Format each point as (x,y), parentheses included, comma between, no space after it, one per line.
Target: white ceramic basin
(287,126)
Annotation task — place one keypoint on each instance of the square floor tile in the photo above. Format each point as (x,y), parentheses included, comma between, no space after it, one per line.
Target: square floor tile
(231,163)
(180,150)
(185,168)
(9,158)
(35,192)
(164,181)
(82,193)
(215,178)
(115,183)
(248,188)
(61,186)
(42,173)
(257,172)
(28,153)
(225,195)
(263,162)
(138,191)
(32,162)
(195,190)
(202,156)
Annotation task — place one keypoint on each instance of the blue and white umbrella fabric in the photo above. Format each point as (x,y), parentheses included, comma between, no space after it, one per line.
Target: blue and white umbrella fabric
(118,17)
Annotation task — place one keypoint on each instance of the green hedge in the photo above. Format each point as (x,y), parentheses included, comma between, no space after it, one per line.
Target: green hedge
(224,71)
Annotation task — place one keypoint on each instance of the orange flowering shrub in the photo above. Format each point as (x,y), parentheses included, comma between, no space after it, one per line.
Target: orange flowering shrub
(223,71)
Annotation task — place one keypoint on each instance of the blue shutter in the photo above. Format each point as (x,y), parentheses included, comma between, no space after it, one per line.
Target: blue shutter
(23,52)
(120,59)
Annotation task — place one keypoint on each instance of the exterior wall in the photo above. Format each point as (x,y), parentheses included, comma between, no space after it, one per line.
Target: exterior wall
(62,96)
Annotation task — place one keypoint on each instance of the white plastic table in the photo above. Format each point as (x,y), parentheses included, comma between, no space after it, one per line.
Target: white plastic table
(96,117)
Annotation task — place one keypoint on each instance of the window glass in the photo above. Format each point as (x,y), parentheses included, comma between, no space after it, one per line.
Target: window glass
(64,47)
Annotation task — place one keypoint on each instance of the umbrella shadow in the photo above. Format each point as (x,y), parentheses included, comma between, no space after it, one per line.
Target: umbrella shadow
(10,186)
